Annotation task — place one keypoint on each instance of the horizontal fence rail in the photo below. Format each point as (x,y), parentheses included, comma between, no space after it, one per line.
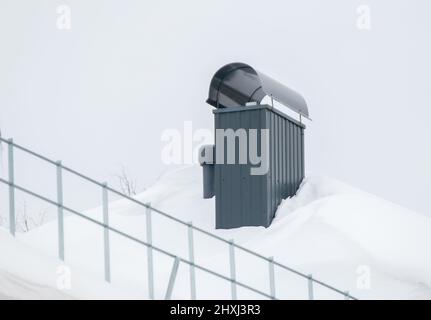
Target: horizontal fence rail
(231,244)
(123,234)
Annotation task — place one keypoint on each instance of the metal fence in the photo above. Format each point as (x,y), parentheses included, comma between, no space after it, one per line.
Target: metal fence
(61,208)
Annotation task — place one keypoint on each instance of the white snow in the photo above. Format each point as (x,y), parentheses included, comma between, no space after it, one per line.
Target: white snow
(26,273)
(331,230)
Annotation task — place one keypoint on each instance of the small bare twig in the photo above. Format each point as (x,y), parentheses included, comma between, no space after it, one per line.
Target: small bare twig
(39,220)
(26,222)
(23,219)
(127,183)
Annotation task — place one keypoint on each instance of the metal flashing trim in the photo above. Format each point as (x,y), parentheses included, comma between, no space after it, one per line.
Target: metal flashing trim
(257,107)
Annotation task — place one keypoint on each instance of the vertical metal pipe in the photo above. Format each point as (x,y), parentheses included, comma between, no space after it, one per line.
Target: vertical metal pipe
(172,278)
(107,255)
(232,269)
(12,225)
(60,211)
(271,277)
(150,252)
(192,261)
(310,287)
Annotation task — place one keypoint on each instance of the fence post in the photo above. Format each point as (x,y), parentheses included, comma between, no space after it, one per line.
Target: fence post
(310,287)
(60,211)
(107,255)
(232,269)
(172,279)
(192,261)
(12,226)
(150,252)
(271,277)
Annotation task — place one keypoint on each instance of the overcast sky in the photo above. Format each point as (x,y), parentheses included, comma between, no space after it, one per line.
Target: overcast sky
(100,94)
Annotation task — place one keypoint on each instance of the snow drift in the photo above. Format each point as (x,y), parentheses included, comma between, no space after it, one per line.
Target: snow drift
(343,236)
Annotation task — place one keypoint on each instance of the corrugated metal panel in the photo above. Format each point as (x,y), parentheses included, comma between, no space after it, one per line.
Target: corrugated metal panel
(246,200)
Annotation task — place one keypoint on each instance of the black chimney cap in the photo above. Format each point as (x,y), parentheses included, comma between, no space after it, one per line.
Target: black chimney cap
(235,84)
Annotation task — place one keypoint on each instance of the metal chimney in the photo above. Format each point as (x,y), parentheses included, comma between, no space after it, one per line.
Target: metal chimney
(246,194)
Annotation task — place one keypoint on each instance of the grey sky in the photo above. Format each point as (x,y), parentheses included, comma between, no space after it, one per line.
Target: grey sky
(102,93)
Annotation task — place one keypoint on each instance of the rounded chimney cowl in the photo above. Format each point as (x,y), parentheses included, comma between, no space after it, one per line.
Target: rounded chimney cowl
(237,84)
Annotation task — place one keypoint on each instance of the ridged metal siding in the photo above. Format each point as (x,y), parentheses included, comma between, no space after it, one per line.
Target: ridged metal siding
(246,200)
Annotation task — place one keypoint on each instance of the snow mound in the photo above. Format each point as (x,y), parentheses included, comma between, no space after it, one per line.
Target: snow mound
(343,236)
(393,238)
(25,273)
